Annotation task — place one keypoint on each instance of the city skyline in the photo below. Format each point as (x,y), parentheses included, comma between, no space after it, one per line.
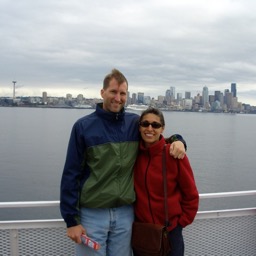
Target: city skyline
(96,93)
(70,46)
(171,92)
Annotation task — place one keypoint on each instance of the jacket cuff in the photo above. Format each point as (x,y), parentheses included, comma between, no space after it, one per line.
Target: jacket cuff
(71,222)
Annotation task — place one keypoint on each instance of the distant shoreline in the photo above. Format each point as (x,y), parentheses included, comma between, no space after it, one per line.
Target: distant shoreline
(127,109)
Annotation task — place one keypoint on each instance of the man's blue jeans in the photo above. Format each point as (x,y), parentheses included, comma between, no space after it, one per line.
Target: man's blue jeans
(111,227)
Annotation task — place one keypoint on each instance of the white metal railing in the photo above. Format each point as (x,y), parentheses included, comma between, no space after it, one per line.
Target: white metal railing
(56,203)
(228,194)
(217,232)
(29,204)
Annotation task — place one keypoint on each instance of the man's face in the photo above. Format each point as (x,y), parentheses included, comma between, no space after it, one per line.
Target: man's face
(114,97)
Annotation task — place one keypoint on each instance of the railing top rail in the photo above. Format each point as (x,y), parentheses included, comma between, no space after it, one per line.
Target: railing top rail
(56,203)
(228,194)
(49,223)
(29,204)
(226,213)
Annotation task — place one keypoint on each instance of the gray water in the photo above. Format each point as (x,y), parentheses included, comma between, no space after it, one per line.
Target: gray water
(33,143)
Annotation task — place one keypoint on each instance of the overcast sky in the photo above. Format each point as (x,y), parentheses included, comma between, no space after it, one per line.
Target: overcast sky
(69,46)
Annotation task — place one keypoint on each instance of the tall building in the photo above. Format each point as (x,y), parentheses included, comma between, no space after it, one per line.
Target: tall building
(44,97)
(128,100)
(228,99)
(233,89)
(187,95)
(219,97)
(179,96)
(234,103)
(140,97)
(168,96)
(172,93)
(134,100)
(14,88)
(205,96)
(225,95)
(211,99)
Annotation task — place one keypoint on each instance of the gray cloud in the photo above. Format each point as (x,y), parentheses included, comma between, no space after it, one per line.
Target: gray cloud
(63,46)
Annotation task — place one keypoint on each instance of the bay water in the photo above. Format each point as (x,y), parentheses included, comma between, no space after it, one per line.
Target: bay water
(33,144)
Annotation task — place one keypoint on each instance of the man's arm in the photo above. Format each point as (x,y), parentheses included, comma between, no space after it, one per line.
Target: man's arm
(69,188)
(178,146)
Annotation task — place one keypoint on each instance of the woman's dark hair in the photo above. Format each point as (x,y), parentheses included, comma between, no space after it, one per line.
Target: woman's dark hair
(155,111)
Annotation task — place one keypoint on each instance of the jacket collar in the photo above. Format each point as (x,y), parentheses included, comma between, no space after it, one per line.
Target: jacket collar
(111,116)
(155,148)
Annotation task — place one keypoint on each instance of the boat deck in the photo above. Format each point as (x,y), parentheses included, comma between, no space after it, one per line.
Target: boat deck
(229,232)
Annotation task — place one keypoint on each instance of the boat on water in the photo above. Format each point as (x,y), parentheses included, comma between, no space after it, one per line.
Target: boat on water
(229,232)
(83,106)
(138,107)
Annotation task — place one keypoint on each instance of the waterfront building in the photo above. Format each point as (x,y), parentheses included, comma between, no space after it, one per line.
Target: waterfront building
(234,104)
(44,97)
(160,99)
(80,98)
(188,104)
(69,97)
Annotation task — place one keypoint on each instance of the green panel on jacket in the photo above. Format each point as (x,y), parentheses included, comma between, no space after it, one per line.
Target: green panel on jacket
(110,183)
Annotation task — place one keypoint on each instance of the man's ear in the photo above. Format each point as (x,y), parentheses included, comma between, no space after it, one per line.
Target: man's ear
(101,92)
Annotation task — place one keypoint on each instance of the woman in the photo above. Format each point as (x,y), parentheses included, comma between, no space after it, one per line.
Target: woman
(182,194)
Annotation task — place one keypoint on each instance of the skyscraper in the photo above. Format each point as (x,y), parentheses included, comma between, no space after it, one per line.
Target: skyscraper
(179,96)
(168,96)
(140,97)
(44,97)
(187,95)
(233,89)
(134,98)
(205,96)
(172,93)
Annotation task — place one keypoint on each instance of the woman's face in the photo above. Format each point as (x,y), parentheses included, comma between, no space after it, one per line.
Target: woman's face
(150,129)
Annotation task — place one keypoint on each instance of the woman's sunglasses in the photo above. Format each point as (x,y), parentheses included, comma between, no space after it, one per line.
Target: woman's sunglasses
(154,125)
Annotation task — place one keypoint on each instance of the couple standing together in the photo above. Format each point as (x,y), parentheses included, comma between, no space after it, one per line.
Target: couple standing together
(111,152)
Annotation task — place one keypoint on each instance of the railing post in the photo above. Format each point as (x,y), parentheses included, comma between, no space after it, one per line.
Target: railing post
(14,242)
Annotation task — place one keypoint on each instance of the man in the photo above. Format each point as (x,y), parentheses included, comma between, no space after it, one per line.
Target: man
(97,189)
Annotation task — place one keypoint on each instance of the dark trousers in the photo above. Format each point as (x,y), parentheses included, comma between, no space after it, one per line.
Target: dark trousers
(176,241)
